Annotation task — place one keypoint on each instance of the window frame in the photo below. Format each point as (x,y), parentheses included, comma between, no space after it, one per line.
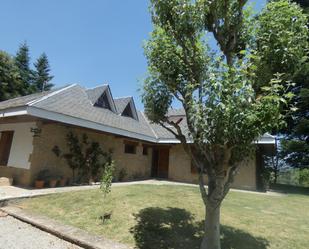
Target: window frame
(130,147)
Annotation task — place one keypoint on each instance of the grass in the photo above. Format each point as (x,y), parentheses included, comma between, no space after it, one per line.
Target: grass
(171,217)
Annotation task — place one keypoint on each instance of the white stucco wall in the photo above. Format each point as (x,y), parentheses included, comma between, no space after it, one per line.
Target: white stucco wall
(21,145)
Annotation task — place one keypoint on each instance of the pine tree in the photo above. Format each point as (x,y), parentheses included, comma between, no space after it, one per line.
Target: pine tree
(22,61)
(295,145)
(42,77)
(10,82)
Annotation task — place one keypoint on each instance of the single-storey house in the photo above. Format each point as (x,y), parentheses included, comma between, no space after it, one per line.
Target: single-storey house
(32,125)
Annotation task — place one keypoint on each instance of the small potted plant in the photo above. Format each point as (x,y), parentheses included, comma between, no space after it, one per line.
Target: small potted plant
(53,182)
(41,178)
(63,181)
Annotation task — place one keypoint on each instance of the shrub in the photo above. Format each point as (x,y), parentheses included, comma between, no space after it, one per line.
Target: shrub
(107,178)
(122,174)
(84,156)
(304,177)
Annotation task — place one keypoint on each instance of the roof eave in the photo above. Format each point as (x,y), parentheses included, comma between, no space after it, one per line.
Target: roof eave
(14,111)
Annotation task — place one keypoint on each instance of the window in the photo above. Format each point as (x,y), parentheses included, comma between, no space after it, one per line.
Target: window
(103,102)
(145,150)
(127,112)
(5,146)
(130,147)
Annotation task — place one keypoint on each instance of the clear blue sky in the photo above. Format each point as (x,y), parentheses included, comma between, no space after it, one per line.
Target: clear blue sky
(88,42)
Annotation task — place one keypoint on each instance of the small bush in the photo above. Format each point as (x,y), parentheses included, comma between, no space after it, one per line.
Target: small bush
(138,175)
(304,177)
(107,178)
(122,174)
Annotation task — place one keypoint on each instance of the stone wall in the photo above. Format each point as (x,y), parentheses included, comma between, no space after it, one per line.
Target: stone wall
(136,166)
(180,170)
(20,176)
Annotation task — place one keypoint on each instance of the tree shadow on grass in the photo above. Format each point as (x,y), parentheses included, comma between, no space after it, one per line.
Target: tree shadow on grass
(175,228)
(232,238)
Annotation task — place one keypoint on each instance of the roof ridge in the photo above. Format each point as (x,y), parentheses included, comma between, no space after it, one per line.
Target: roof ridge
(91,88)
(49,95)
(125,97)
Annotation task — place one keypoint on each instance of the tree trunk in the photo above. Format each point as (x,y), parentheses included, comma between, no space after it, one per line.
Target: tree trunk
(211,239)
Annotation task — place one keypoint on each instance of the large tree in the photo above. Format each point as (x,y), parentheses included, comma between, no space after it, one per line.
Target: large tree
(10,82)
(42,75)
(295,143)
(231,96)
(22,61)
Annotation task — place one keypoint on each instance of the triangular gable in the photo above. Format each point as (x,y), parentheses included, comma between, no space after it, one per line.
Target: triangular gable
(101,97)
(126,107)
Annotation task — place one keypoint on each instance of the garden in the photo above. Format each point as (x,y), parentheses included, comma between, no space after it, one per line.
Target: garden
(167,217)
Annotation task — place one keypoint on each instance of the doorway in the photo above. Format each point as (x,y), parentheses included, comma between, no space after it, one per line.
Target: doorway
(160,162)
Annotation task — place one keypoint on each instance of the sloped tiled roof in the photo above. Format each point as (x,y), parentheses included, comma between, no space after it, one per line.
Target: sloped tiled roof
(24,100)
(78,102)
(163,133)
(176,112)
(74,102)
(95,93)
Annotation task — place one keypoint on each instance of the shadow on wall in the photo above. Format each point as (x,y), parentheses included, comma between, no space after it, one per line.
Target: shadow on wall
(175,228)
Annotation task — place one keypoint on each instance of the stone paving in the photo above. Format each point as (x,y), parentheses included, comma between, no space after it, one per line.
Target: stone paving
(69,233)
(12,192)
(15,234)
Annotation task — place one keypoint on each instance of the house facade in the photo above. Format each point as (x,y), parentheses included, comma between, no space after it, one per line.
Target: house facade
(31,126)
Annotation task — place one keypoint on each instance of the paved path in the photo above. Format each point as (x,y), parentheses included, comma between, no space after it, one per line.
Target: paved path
(15,234)
(11,192)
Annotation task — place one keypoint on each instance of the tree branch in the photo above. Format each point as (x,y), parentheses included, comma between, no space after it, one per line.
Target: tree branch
(229,181)
(202,187)
(169,129)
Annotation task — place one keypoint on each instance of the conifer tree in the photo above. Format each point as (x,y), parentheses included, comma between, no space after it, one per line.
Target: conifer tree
(22,61)
(42,76)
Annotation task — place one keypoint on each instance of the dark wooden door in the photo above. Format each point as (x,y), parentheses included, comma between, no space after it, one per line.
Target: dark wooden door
(163,162)
(155,162)
(5,146)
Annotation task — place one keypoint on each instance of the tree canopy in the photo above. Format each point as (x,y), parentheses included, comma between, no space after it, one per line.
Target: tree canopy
(17,78)
(295,144)
(10,81)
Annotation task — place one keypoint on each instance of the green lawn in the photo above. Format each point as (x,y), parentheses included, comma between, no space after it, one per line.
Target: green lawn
(170,217)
